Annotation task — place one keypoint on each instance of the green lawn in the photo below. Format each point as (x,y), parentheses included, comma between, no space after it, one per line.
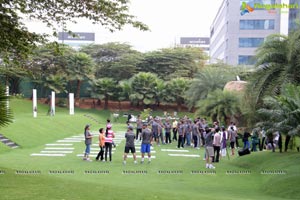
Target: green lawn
(237,178)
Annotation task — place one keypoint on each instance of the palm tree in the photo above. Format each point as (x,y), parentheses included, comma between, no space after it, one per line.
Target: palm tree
(143,87)
(282,113)
(209,79)
(278,62)
(103,89)
(5,114)
(80,67)
(176,89)
(219,106)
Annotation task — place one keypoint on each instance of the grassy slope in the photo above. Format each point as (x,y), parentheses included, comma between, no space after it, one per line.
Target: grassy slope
(32,134)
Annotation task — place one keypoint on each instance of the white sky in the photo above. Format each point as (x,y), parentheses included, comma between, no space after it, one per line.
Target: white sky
(168,20)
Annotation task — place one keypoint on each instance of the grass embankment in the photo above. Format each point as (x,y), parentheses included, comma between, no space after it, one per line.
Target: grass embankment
(261,175)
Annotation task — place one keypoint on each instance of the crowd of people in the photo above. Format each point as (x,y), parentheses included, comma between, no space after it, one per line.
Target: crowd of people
(184,132)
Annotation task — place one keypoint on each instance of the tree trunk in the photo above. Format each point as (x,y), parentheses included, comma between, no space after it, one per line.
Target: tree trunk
(106,103)
(78,89)
(286,143)
(179,105)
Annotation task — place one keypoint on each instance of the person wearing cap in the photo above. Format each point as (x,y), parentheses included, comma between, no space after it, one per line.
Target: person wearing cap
(88,141)
(129,146)
(146,137)
(109,135)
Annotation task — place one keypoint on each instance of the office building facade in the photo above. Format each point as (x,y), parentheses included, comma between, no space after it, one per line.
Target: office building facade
(241,26)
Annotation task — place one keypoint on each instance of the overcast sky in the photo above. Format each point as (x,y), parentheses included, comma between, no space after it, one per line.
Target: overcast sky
(168,20)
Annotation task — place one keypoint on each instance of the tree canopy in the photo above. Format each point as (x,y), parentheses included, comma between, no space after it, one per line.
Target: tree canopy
(17,40)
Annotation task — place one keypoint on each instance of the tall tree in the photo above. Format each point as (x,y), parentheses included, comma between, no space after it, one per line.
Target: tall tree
(219,106)
(175,91)
(277,63)
(282,112)
(80,67)
(47,67)
(173,62)
(205,81)
(103,88)
(143,88)
(113,60)
(18,41)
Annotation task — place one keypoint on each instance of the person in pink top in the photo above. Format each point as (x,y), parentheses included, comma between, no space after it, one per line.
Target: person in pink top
(109,135)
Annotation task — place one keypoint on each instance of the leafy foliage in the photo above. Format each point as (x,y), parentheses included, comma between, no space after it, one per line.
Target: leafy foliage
(173,62)
(114,60)
(143,88)
(103,89)
(277,64)
(282,113)
(205,81)
(47,67)
(80,67)
(175,90)
(219,106)
(17,41)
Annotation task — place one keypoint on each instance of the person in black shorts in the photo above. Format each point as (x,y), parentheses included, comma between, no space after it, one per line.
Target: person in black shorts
(129,146)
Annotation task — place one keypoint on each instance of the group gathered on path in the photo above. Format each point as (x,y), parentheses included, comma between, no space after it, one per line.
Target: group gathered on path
(185,132)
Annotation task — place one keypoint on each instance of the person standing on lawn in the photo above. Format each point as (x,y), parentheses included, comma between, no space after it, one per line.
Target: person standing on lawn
(139,126)
(109,135)
(129,146)
(101,144)
(88,141)
(209,149)
(146,137)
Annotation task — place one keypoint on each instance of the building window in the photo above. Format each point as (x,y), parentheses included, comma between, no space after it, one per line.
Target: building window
(268,24)
(246,60)
(250,42)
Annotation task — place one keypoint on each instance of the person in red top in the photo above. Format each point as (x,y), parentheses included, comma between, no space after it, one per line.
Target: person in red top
(109,135)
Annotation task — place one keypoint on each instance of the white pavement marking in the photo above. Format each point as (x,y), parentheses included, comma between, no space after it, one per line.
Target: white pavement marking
(174,150)
(59,148)
(41,154)
(79,139)
(68,141)
(81,155)
(98,149)
(185,155)
(139,156)
(57,152)
(58,144)
(97,145)
(96,152)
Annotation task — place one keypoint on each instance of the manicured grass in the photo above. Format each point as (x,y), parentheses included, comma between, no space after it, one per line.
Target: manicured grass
(237,178)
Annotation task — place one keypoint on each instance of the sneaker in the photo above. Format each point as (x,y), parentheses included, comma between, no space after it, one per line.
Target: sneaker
(207,166)
(89,160)
(142,162)
(135,162)
(211,167)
